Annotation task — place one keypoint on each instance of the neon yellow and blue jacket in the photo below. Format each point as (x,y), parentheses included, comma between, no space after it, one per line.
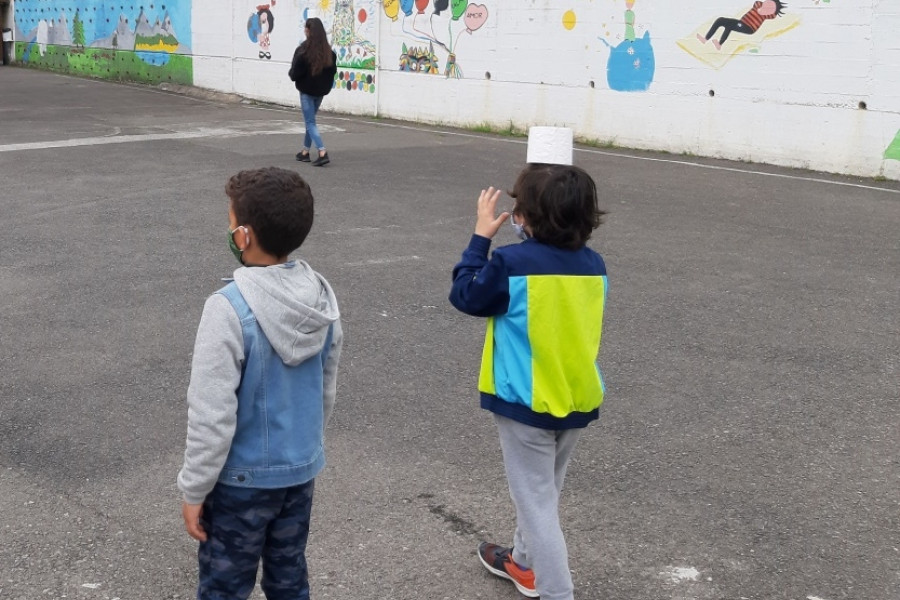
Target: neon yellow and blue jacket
(545,314)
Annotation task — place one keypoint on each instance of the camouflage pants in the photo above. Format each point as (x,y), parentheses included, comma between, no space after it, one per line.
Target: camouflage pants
(244,525)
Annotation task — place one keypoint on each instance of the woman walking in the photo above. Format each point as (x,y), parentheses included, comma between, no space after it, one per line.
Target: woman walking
(312,71)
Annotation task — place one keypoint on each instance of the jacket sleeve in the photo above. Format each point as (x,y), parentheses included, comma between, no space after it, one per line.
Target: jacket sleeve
(329,383)
(212,398)
(480,285)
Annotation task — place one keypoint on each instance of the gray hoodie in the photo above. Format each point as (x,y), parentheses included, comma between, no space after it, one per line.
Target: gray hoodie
(294,307)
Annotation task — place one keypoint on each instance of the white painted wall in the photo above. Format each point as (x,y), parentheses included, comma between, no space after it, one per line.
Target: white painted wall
(793,99)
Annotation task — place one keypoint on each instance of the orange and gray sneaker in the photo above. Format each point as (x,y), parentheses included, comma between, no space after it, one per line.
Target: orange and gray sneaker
(498,560)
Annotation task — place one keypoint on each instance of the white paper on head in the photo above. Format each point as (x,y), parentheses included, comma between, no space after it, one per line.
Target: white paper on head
(549,145)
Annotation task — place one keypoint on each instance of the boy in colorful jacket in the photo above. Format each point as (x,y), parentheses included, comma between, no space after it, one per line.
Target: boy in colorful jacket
(544,300)
(262,389)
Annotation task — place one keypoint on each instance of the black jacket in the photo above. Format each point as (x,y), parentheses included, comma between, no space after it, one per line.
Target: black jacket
(306,82)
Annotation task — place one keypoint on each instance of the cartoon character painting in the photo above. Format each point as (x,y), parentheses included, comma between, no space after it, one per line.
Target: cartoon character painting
(259,26)
(748,24)
(765,19)
(629,21)
(419,60)
(632,62)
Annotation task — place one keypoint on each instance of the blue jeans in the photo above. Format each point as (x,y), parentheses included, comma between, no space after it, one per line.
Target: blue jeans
(244,525)
(310,106)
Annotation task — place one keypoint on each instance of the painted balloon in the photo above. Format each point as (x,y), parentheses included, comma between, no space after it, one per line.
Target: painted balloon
(476,15)
(458,7)
(391,8)
(440,6)
(421,5)
(406,6)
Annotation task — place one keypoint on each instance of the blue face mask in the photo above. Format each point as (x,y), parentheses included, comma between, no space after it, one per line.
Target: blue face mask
(520,229)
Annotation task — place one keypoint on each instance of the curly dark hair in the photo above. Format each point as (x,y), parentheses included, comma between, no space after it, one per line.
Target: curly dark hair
(559,203)
(276,203)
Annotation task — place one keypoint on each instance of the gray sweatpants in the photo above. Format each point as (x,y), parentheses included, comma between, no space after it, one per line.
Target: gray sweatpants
(535,461)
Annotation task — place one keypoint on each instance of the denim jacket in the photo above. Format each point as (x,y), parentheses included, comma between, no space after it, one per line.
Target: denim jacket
(279,437)
(263,381)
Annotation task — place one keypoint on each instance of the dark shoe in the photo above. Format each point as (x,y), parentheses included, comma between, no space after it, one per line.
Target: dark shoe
(498,560)
(303,156)
(321,161)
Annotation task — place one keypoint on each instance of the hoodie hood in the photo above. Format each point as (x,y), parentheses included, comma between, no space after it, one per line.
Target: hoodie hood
(293,305)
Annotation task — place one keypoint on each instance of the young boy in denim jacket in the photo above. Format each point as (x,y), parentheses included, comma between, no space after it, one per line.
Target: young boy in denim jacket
(262,389)
(544,300)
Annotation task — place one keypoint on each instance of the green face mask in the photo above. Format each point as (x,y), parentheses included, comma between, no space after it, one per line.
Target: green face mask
(238,253)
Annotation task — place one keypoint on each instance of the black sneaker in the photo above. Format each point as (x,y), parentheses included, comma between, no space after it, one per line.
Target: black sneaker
(303,156)
(498,560)
(321,161)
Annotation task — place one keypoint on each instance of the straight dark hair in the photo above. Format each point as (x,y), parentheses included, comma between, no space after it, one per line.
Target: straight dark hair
(315,48)
(559,204)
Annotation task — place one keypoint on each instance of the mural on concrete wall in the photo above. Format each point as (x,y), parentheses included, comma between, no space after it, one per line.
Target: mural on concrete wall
(441,29)
(351,29)
(260,26)
(631,62)
(893,150)
(95,38)
(720,39)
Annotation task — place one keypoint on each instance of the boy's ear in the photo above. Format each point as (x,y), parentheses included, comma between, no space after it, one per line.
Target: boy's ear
(247,232)
(251,235)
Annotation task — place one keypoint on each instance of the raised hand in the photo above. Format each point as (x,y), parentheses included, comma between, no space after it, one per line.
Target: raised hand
(488,223)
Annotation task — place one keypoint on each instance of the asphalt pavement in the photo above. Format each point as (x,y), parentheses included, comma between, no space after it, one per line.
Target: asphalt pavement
(747,448)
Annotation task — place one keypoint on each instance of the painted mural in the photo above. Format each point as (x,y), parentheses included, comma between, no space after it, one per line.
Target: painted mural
(259,27)
(632,62)
(892,152)
(420,60)
(722,38)
(98,39)
(431,27)
(351,27)
(350,37)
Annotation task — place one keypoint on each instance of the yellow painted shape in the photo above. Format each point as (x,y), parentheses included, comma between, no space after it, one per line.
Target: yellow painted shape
(569,20)
(737,42)
(157,47)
